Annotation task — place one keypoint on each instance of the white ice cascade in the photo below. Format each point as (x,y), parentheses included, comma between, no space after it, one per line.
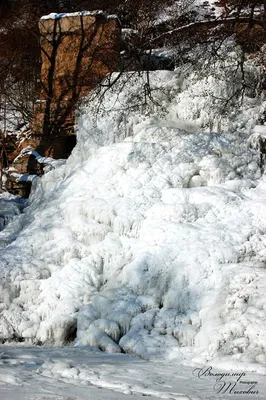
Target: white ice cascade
(151,239)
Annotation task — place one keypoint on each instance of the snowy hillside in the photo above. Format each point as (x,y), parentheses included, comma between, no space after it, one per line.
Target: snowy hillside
(151,239)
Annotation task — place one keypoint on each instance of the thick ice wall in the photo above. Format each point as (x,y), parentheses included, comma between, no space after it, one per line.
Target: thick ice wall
(150,239)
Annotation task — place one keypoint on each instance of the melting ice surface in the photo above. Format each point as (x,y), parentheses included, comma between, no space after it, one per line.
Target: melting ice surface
(150,240)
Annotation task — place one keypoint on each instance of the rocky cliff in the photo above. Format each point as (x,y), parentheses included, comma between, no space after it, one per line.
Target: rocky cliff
(78,50)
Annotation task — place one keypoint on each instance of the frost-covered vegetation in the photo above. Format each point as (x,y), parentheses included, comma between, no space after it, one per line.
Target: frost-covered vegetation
(151,238)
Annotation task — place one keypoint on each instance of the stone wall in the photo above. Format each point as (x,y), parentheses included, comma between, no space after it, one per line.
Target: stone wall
(78,50)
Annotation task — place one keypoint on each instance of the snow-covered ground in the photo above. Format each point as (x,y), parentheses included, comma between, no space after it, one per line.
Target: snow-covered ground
(150,240)
(85,374)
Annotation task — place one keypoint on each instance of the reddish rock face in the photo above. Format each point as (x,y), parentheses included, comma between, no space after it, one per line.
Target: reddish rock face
(78,51)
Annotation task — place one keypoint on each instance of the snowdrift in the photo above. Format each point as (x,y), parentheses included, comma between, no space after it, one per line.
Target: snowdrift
(151,238)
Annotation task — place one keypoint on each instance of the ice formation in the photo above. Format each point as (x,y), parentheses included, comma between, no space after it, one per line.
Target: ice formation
(10,206)
(151,239)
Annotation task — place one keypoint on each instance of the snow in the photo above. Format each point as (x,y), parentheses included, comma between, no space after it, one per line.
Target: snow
(23,177)
(77,14)
(150,240)
(10,206)
(84,373)
(48,162)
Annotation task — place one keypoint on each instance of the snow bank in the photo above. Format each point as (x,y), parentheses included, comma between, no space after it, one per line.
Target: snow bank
(151,239)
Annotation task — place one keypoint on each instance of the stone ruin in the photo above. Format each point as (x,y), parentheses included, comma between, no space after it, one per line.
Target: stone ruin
(78,50)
